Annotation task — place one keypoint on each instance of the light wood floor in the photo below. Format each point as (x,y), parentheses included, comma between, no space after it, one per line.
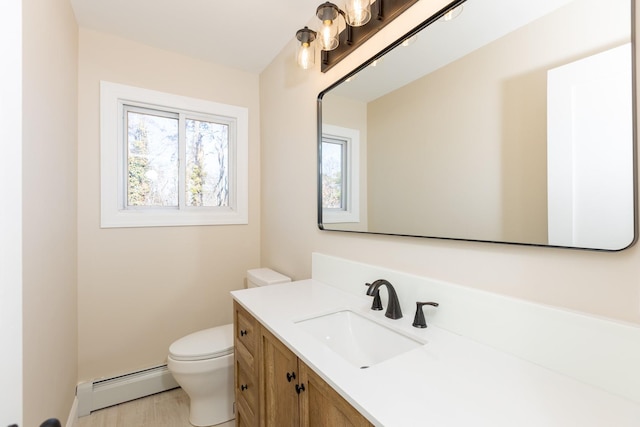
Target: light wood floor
(168,409)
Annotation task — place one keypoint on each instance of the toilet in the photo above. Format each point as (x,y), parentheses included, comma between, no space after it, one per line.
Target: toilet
(202,363)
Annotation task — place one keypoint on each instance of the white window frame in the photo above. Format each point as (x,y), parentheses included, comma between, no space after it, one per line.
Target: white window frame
(351,212)
(113,97)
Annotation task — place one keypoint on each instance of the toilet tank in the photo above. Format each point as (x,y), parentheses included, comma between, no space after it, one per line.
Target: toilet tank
(264,277)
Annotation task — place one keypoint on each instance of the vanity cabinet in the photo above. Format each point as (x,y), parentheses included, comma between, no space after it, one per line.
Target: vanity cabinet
(289,393)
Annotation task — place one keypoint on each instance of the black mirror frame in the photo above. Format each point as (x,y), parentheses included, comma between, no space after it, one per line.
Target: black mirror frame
(415,31)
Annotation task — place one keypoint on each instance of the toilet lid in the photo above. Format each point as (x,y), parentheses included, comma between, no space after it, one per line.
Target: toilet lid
(205,344)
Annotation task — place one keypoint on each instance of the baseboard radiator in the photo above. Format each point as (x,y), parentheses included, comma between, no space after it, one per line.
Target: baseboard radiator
(94,395)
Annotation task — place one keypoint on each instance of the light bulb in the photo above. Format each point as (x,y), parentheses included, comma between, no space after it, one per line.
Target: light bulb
(358,12)
(306,52)
(376,62)
(409,41)
(328,13)
(328,35)
(452,14)
(306,56)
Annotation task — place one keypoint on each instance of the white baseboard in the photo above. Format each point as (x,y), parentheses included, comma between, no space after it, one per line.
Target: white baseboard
(72,420)
(94,395)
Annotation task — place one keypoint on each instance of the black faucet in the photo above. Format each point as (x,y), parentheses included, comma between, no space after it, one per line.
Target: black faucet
(418,320)
(393,307)
(377,303)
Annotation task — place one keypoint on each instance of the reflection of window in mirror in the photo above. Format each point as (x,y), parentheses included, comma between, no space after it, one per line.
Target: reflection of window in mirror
(340,172)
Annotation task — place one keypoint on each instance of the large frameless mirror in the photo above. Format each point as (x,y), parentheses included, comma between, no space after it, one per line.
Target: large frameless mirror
(496,120)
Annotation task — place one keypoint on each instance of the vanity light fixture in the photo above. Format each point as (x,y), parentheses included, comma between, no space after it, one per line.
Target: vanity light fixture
(328,13)
(357,13)
(306,55)
(335,45)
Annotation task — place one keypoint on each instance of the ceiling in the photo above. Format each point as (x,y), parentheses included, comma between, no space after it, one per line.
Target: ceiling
(477,25)
(242,34)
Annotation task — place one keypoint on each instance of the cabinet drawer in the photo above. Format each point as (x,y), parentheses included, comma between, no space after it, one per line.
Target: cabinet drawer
(246,329)
(246,388)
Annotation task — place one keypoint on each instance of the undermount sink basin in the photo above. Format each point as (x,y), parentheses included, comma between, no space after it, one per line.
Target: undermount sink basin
(361,341)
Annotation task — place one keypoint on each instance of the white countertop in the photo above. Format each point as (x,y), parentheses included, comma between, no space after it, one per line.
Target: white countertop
(449,381)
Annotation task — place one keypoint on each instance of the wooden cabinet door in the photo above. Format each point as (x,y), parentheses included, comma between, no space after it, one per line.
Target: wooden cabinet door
(322,406)
(278,380)
(244,417)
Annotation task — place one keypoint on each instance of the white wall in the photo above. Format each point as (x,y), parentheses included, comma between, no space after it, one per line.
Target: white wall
(139,289)
(10,215)
(598,283)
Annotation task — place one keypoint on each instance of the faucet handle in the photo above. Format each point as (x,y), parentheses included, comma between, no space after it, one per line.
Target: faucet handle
(377,303)
(418,320)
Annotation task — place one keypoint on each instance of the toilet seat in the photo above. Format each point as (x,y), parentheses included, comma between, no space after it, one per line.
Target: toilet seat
(206,344)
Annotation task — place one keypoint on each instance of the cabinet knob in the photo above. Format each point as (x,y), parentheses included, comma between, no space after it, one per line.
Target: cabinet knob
(243,332)
(299,388)
(243,387)
(291,376)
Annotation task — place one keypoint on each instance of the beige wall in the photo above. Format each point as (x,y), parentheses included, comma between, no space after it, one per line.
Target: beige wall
(50,55)
(139,289)
(452,144)
(474,139)
(599,283)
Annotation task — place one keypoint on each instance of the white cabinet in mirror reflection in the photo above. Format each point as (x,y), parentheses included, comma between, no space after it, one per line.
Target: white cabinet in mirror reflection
(590,159)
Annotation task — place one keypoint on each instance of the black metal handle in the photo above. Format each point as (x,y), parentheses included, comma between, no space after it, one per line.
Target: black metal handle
(299,388)
(291,376)
(418,320)
(243,332)
(243,387)
(420,304)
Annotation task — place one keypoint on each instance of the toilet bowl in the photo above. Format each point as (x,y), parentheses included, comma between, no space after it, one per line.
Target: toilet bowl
(202,363)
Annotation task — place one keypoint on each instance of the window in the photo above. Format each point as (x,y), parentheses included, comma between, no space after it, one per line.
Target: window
(334,171)
(340,174)
(168,160)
